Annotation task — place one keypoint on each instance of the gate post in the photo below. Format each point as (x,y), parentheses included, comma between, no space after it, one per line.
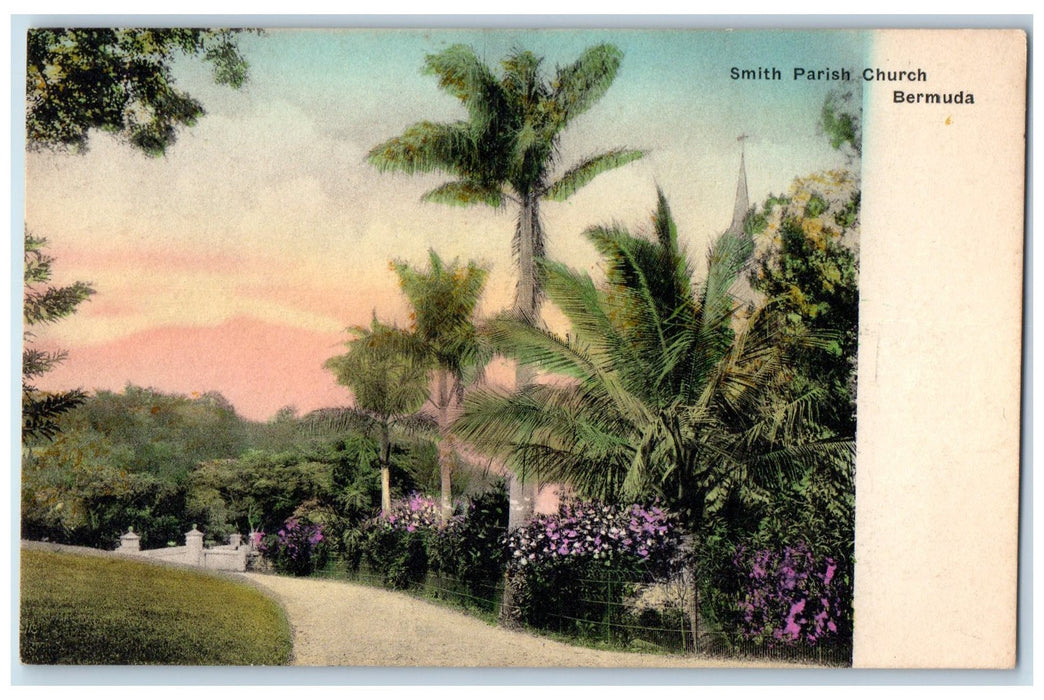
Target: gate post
(130,542)
(194,547)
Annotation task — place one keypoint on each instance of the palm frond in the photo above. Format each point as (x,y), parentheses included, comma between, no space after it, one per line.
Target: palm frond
(578,86)
(584,305)
(550,432)
(529,345)
(588,169)
(628,273)
(425,147)
(415,424)
(650,300)
(385,368)
(463,193)
(544,349)
(461,73)
(523,83)
(728,257)
(787,462)
(341,420)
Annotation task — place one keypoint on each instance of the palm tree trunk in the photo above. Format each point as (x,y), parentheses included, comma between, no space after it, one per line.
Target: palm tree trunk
(694,612)
(385,469)
(529,245)
(445,447)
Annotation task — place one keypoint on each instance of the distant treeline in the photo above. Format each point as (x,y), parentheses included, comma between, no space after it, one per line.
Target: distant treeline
(161,463)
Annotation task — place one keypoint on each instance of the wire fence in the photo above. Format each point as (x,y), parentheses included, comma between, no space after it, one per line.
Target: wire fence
(607,612)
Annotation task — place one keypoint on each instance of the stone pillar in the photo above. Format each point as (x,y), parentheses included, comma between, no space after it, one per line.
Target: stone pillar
(129,543)
(235,540)
(194,546)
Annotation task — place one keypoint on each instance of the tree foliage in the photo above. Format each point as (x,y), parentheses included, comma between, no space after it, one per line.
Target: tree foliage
(807,263)
(163,462)
(384,369)
(123,459)
(119,81)
(259,491)
(44,304)
(388,376)
(332,480)
(443,299)
(841,123)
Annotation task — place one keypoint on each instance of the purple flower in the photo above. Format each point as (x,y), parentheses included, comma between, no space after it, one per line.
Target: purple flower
(785,597)
(831,568)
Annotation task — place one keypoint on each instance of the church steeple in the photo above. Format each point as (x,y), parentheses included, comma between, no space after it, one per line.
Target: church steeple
(741,289)
(739,212)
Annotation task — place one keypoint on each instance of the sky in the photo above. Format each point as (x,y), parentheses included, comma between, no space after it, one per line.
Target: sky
(236,262)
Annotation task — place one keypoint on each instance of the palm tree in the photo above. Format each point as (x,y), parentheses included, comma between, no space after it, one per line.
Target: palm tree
(443,298)
(389,379)
(663,393)
(506,151)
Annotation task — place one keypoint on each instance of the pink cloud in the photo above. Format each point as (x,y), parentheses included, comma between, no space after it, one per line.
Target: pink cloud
(258,366)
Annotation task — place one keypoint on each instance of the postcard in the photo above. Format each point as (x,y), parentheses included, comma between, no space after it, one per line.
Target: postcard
(568,348)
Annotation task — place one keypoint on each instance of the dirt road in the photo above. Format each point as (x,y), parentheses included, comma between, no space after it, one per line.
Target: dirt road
(337,623)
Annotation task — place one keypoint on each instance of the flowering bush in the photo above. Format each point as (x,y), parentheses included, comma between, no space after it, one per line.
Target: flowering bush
(298,548)
(789,597)
(414,512)
(393,545)
(572,570)
(597,531)
(401,546)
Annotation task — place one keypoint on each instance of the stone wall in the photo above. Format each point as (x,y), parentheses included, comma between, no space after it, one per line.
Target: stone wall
(229,557)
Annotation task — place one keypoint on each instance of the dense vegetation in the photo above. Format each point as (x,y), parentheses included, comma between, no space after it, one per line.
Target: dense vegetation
(162,462)
(78,609)
(702,426)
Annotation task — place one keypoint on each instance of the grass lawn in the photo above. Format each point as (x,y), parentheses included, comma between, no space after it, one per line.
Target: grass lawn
(81,609)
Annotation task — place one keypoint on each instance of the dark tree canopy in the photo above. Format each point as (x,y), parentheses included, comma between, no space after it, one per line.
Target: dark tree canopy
(808,262)
(841,122)
(119,81)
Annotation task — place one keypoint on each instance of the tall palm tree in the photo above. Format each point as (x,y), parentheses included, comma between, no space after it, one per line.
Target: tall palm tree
(389,379)
(663,393)
(443,298)
(507,151)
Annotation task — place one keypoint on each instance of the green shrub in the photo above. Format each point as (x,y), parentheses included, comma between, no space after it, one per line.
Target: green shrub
(398,557)
(470,547)
(403,545)
(299,548)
